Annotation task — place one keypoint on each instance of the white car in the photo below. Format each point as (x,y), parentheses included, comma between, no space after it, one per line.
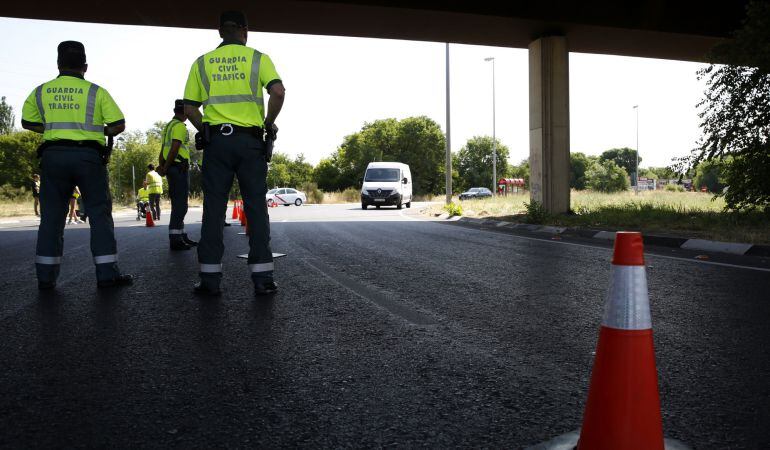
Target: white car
(285,197)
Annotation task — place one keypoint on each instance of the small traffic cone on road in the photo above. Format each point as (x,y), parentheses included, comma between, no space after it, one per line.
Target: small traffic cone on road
(235,210)
(148,218)
(623,407)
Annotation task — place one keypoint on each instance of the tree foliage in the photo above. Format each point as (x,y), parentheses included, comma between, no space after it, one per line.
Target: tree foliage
(624,157)
(579,165)
(7,117)
(18,158)
(416,141)
(735,112)
(285,172)
(474,162)
(606,176)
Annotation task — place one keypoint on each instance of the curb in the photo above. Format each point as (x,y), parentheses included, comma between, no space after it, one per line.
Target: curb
(732,248)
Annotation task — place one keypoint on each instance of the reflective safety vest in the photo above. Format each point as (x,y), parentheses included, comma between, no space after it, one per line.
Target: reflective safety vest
(154,182)
(176,130)
(71,108)
(143,195)
(229,82)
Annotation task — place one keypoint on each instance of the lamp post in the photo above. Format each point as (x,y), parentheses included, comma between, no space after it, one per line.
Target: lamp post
(494,137)
(636,172)
(448,163)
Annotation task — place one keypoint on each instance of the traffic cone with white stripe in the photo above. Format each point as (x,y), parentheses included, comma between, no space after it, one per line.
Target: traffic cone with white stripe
(235,210)
(242,216)
(623,407)
(148,217)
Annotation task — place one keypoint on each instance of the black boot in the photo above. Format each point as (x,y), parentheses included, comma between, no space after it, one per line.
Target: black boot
(265,287)
(177,243)
(120,280)
(189,241)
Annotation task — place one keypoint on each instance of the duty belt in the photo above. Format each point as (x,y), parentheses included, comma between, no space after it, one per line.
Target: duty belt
(226,129)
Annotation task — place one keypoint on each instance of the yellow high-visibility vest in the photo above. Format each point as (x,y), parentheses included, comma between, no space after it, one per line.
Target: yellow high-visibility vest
(71,108)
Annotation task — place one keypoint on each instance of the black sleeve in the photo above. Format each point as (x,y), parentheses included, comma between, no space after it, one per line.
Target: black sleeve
(270,84)
(116,123)
(30,124)
(187,101)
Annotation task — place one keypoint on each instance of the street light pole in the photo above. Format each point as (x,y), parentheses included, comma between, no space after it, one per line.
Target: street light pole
(636,172)
(494,123)
(448,166)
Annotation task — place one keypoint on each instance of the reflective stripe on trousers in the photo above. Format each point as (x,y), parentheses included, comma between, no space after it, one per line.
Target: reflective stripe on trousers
(211,268)
(264,267)
(49,260)
(105,259)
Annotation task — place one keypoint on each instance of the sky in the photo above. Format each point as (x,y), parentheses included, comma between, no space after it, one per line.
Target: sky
(336,84)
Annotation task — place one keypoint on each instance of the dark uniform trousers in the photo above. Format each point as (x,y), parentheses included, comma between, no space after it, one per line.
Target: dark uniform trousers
(63,168)
(178,190)
(241,155)
(155,206)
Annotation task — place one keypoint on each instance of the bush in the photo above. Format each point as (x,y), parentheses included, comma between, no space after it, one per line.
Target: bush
(351,195)
(674,188)
(314,195)
(454,209)
(8,192)
(606,176)
(536,213)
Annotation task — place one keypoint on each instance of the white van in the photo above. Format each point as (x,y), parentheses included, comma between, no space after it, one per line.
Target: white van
(387,183)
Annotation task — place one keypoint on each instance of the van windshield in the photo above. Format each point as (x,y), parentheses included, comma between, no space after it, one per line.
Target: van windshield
(376,175)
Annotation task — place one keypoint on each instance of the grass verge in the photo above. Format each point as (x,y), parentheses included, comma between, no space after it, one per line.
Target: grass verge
(686,214)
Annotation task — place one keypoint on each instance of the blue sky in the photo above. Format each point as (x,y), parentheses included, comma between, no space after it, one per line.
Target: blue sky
(335,84)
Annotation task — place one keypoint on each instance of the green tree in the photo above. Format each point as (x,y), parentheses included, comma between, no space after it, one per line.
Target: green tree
(666,173)
(326,175)
(416,141)
(709,173)
(623,157)
(7,118)
(474,162)
(606,176)
(520,171)
(735,112)
(579,164)
(18,158)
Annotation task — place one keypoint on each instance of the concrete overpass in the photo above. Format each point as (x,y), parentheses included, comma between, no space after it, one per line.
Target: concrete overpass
(668,29)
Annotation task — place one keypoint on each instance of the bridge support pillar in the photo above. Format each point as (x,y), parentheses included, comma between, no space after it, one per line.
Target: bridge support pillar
(549,123)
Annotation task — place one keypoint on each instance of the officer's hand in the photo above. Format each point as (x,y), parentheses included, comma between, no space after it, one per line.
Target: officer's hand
(199,141)
(272,130)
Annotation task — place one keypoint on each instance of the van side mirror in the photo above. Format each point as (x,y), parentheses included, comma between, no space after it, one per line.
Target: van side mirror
(404,180)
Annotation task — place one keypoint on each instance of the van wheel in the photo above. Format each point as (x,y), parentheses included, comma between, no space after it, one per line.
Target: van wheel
(363,205)
(409,204)
(399,206)
(298,202)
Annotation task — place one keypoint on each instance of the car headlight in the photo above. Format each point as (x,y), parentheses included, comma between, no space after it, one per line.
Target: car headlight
(364,194)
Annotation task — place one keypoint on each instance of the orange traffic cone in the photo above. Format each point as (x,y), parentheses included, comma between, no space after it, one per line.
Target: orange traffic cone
(148,218)
(242,217)
(623,407)
(235,210)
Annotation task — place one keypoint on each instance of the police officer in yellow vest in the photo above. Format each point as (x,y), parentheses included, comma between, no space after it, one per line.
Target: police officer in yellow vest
(229,83)
(142,200)
(155,188)
(74,115)
(175,164)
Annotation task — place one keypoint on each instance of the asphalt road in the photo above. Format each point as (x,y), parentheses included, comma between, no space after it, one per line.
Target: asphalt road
(389,330)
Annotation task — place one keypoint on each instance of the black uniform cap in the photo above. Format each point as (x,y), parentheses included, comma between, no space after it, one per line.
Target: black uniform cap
(236,17)
(71,54)
(178,105)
